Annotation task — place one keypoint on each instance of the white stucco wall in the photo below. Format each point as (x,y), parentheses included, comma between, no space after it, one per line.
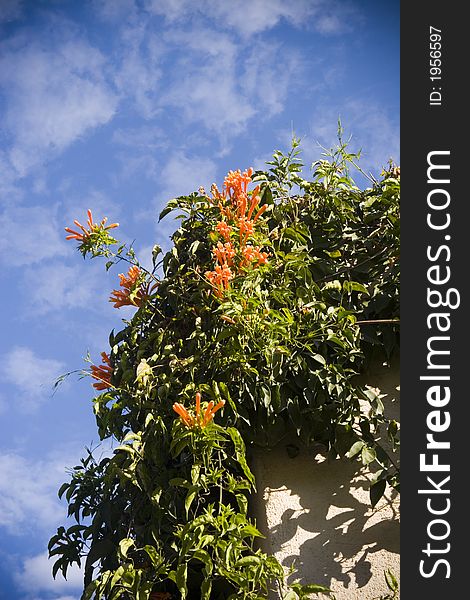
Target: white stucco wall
(317,513)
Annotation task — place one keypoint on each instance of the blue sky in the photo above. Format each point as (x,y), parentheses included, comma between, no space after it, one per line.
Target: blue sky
(117,106)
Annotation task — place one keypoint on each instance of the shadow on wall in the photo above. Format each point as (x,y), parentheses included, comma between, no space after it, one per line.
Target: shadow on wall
(316,514)
(332,519)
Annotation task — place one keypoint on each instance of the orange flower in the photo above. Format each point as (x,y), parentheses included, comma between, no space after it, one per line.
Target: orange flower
(260,212)
(210,412)
(246,229)
(201,419)
(254,201)
(253,254)
(102,373)
(187,419)
(236,206)
(236,182)
(224,230)
(220,278)
(224,253)
(130,283)
(92,228)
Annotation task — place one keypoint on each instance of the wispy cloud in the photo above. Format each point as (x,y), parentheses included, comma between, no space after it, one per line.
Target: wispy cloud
(56,287)
(183,174)
(55,92)
(34,578)
(30,235)
(271,73)
(28,493)
(209,92)
(138,75)
(250,17)
(32,375)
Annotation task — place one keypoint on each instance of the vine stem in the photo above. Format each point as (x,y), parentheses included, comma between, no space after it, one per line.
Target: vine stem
(377,321)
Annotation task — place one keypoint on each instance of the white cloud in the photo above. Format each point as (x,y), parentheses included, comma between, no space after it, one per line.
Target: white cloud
(28,493)
(270,71)
(183,174)
(174,10)
(250,17)
(55,93)
(57,287)
(30,235)
(35,576)
(29,504)
(139,73)
(113,10)
(262,14)
(141,138)
(32,375)
(205,86)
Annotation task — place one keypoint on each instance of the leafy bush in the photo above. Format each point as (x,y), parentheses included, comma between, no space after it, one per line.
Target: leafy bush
(268,304)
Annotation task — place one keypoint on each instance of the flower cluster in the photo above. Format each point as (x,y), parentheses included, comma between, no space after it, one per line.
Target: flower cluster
(102,373)
(198,418)
(134,292)
(84,234)
(237,208)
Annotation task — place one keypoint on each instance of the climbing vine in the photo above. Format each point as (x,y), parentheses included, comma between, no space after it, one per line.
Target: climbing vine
(253,326)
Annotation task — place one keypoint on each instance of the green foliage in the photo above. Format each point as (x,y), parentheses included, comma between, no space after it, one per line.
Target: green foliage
(168,511)
(392,585)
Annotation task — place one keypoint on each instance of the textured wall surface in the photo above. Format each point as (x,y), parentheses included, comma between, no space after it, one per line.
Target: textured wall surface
(317,513)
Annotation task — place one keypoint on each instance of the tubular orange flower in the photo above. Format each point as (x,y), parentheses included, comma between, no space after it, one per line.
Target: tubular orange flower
(236,182)
(224,230)
(92,228)
(220,278)
(224,253)
(254,201)
(260,212)
(200,419)
(131,295)
(102,373)
(246,229)
(236,206)
(228,319)
(210,411)
(187,419)
(253,255)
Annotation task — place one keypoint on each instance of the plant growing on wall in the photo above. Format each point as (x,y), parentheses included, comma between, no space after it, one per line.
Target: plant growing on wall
(252,326)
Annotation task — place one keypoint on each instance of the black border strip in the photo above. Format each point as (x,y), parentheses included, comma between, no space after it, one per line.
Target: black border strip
(435,393)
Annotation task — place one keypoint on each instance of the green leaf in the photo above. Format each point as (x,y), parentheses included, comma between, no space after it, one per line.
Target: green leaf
(248,561)
(377,491)
(368,455)
(181,577)
(355,449)
(124,546)
(319,358)
(354,286)
(391,581)
(193,490)
(240,453)
(90,590)
(194,246)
